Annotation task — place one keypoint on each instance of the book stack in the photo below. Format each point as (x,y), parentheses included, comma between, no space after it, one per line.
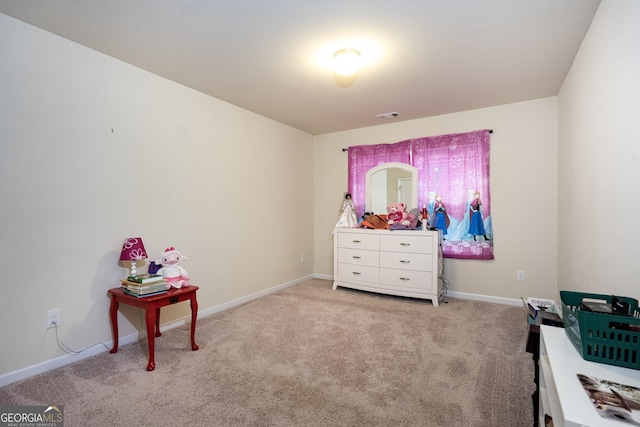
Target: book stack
(144,285)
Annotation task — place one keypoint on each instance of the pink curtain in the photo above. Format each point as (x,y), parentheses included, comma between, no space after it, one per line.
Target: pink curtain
(454,166)
(364,157)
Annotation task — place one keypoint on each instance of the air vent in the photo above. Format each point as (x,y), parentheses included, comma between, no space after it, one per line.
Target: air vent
(387,116)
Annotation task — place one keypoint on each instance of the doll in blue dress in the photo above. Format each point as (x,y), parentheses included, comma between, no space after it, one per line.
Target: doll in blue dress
(476,226)
(442,218)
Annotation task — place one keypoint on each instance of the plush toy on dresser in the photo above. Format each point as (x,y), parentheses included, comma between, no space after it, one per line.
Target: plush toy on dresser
(371,220)
(397,216)
(175,275)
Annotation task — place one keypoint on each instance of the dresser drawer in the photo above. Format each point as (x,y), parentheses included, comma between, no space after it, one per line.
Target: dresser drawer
(359,241)
(361,273)
(405,279)
(359,257)
(406,261)
(401,243)
(402,263)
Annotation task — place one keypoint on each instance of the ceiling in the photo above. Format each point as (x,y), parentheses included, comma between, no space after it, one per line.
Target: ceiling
(420,58)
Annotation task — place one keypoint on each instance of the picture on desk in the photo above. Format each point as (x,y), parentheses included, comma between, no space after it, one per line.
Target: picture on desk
(612,400)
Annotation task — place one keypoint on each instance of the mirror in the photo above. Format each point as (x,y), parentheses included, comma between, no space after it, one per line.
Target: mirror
(391,183)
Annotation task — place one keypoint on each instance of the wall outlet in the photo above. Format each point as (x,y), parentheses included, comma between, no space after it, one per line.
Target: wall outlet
(53,318)
(520,276)
(301,259)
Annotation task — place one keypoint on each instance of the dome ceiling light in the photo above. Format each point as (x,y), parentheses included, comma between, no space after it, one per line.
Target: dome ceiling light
(346,66)
(346,62)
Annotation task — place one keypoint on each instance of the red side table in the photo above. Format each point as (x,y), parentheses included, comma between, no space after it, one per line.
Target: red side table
(152,305)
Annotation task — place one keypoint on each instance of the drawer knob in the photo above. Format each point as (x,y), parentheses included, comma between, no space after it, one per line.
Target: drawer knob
(405,279)
(405,244)
(357,273)
(404,261)
(356,257)
(357,241)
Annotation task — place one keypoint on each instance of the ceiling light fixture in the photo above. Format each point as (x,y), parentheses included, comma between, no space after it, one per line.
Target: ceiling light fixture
(346,62)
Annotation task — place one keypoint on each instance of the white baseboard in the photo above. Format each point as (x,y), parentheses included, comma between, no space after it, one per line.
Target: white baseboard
(485,298)
(98,348)
(60,361)
(461,295)
(251,297)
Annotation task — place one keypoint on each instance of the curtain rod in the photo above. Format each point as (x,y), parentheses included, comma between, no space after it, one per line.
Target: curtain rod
(346,149)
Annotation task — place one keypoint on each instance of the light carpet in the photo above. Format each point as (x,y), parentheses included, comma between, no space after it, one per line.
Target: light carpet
(309,356)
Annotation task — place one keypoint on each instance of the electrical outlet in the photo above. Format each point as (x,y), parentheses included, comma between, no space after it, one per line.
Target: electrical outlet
(301,259)
(53,318)
(520,276)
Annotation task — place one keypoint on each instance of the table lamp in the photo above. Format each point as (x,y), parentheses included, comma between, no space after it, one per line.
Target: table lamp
(133,250)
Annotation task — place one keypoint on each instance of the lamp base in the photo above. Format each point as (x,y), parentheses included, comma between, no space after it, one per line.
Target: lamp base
(133,271)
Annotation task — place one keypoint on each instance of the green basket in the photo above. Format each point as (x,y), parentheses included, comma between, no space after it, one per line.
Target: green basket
(603,338)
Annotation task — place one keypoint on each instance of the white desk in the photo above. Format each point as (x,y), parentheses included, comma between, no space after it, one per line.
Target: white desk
(561,394)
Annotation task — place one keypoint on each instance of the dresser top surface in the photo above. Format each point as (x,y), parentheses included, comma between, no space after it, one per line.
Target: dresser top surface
(387,232)
(566,363)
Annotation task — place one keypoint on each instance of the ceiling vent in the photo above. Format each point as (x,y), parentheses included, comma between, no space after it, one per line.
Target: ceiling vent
(387,116)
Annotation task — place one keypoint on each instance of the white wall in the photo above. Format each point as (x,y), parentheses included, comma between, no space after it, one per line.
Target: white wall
(599,156)
(230,189)
(523,194)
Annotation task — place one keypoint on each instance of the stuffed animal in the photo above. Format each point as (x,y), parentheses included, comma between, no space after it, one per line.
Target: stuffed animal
(175,275)
(396,214)
(371,220)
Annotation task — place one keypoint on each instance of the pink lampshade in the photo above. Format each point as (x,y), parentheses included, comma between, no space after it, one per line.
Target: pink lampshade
(133,249)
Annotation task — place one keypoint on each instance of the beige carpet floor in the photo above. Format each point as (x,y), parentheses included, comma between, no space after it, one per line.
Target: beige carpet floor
(309,356)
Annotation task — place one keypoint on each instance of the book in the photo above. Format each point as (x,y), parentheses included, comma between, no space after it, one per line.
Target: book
(157,282)
(139,287)
(136,289)
(145,278)
(133,294)
(137,294)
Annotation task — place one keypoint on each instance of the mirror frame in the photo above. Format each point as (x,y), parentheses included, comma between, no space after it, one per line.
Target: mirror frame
(405,166)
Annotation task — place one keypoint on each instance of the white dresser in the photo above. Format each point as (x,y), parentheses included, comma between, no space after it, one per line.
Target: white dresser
(403,263)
